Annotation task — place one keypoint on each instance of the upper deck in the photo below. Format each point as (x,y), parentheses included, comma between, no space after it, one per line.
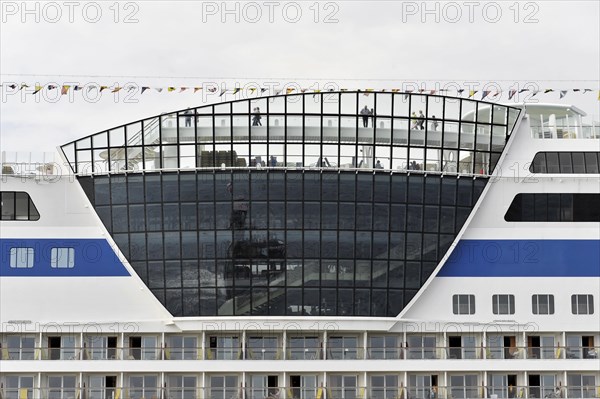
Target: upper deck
(345,130)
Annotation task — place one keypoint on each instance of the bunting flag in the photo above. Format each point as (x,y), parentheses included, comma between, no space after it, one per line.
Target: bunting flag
(488,95)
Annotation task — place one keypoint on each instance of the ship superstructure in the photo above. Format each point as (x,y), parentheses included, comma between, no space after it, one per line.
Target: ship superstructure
(331,245)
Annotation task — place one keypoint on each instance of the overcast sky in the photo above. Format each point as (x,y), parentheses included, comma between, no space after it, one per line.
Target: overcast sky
(350,44)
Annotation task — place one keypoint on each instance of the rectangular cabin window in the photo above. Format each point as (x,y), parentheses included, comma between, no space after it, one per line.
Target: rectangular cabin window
(542,304)
(503,304)
(582,304)
(62,258)
(21,258)
(463,304)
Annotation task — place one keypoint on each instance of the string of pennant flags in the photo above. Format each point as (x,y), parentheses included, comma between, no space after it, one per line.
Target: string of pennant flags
(485,94)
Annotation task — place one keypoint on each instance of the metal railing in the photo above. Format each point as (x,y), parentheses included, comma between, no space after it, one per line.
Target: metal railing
(331,392)
(300,353)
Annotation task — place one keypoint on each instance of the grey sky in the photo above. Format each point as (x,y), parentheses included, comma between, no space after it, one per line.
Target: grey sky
(370,43)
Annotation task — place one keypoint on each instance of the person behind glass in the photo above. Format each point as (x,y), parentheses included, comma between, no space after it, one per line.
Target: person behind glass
(433,392)
(273,161)
(421,120)
(365,116)
(188,118)
(415,121)
(378,165)
(372,117)
(434,124)
(256,118)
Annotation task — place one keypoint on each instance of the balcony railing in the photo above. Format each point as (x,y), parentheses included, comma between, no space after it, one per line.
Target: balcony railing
(331,392)
(301,353)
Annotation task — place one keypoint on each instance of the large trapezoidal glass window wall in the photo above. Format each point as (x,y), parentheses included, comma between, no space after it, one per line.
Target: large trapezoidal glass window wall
(342,130)
(275,242)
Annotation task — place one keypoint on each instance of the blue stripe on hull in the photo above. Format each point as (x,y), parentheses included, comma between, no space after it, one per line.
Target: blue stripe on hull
(524,258)
(92,258)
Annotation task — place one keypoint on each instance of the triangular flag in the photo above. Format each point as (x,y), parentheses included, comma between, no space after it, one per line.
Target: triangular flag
(393,90)
(598,95)
(170,88)
(262,90)
(432,92)
(522,90)
(303,90)
(222,92)
(576,90)
(65,89)
(90,88)
(183,89)
(77,88)
(130,88)
(51,87)
(484,94)
(144,88)
(277,92)
(289,90)
(460,91)
(159,89)
(252,90)
(535,93)
(24,86)
(13,86)
(116,89)
(511,93)
(103,88)
(548,91)
(37,89)
(586,90)
(563,93)
(472,93)
(236,90)
(197,88)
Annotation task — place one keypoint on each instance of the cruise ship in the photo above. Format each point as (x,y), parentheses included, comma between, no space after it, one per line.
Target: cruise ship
(338,245)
